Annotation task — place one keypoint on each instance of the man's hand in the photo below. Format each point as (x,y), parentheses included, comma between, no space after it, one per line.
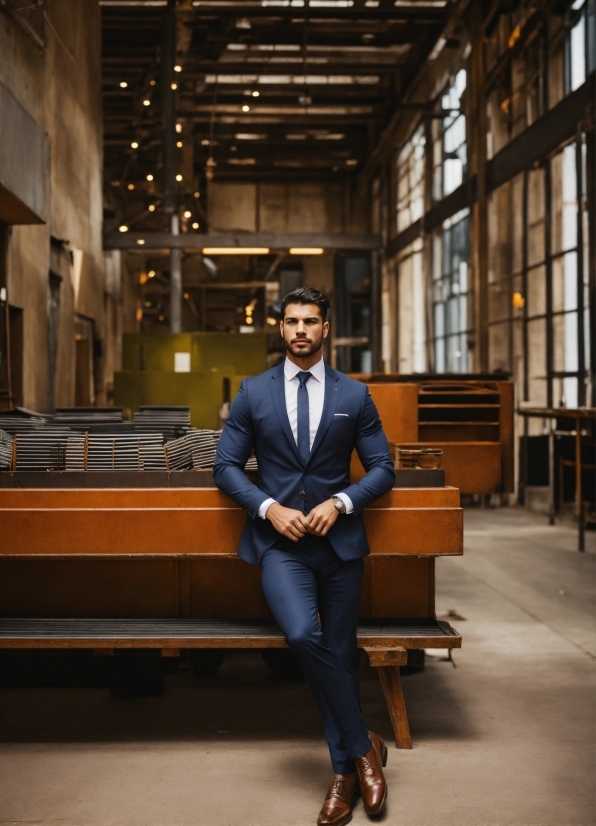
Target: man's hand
(287,521)
(321,518)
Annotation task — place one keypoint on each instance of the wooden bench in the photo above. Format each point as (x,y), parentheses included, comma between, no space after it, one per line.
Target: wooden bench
(385,642)
(162,558)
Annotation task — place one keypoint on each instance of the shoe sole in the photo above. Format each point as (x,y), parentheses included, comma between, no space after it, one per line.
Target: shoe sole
(339,822)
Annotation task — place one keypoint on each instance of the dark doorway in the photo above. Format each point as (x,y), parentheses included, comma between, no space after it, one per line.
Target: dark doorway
(84,384)
(54,285)
(352,281)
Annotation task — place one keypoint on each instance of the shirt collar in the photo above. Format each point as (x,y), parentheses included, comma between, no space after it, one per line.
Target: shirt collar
(291,370)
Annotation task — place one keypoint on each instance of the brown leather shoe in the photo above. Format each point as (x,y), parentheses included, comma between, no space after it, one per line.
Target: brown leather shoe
(371,778)
(337,808)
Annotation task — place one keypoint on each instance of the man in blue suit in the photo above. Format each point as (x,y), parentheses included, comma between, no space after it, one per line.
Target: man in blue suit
(305,528)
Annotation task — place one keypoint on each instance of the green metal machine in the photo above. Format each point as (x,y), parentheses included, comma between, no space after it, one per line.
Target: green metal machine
(195,369)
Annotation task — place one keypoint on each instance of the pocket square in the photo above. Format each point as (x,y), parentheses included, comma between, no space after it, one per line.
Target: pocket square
(347,415)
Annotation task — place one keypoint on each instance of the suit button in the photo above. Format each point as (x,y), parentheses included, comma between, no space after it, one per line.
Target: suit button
(302,494)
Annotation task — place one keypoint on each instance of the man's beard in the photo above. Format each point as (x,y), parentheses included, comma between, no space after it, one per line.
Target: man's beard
(304,352)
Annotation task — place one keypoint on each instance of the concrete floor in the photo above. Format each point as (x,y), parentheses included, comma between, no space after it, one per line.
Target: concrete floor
(504,739)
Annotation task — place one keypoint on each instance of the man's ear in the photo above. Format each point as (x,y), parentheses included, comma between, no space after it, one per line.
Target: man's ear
(325,329)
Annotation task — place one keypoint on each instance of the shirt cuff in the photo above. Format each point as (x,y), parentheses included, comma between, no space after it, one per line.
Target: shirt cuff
(265,505)
(347,501)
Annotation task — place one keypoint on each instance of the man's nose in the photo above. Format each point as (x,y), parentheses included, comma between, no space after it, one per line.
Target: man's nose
(301,327)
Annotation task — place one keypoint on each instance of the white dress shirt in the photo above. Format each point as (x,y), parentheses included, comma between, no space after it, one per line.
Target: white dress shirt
(316,399)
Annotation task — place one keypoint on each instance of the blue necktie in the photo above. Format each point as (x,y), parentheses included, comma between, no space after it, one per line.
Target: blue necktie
(303,417)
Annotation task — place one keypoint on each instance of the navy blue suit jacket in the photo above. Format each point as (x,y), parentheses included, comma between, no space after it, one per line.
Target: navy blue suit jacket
(258,418)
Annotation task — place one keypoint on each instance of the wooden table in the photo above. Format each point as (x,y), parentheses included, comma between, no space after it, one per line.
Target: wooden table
(579,415)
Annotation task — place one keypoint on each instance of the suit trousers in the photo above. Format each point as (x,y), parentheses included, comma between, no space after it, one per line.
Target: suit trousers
(302,584)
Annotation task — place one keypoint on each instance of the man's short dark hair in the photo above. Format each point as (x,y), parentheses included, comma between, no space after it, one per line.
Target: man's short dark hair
(307,295)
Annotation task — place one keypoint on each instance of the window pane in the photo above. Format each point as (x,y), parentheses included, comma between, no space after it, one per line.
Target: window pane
(536,291)
(577,41)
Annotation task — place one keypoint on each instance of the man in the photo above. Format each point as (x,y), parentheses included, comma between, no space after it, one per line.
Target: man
(306,530)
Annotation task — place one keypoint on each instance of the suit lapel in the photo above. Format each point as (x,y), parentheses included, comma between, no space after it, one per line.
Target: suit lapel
(332,394)
(278,393)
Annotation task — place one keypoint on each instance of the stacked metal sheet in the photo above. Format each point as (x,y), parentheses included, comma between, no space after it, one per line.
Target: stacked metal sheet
(42,449)
(20,424)
(80,418)
(203,445)
(179,455)
(173,422)
(6,442)
(134,452)
(75,452)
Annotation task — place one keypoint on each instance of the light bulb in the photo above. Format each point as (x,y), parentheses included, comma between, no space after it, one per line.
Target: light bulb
(187,214)
(179,144)
(151,207)
(177,68)
(135,145)
(255,94)
(178,177)
(178,128)
(195,225)
(197,194)
(123,84)
(186,296)
(146,102)
(123,228)
(246,108)
(174,86)
(151,273)
(149,177)
(130,186)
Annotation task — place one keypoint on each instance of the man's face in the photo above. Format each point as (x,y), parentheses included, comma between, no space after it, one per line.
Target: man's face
(303,329)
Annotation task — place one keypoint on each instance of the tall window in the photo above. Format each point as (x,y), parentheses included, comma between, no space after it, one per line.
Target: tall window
(450,157)
(450,294)
(570,322)
(581,42)
(410,181)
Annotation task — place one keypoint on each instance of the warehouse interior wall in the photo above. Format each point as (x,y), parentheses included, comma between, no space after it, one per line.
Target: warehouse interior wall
(50,70)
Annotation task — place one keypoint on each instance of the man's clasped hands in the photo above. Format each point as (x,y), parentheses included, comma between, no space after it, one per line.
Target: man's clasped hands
(294,524)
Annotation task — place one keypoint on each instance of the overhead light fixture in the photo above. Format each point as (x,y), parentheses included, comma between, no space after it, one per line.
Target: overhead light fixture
(195,225)
(174,86)
(249,136)
(146,102)
(255,94)
(177,68)
(197,194)
(187,214)
(151,273)
(306,250)
(123,84)
(179,144)
(123,228)
(236,251)
(152,82)
(187,296)
(178,178)
(149,177)
(151,207)
(140,241)
(135,145)
(130,186)
(178,128)
(246,108)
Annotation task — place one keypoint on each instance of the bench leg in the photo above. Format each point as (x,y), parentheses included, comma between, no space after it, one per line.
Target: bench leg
(394,697)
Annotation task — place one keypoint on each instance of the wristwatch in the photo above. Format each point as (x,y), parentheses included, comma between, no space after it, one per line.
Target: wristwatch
(339,504)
